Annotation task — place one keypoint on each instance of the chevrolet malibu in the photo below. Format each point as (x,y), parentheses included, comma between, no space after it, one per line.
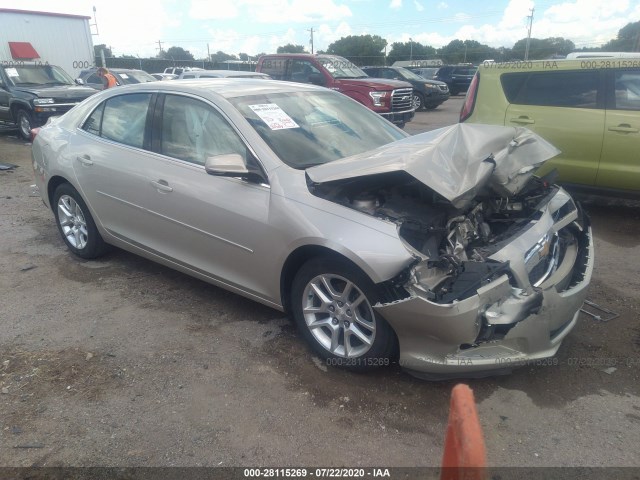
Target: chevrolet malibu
(441,251)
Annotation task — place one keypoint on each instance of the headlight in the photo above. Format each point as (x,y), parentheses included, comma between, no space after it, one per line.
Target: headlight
(42,101)
(378,98)
(430,86)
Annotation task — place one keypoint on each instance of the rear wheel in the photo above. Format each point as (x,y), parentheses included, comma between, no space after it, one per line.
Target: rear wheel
(75,223)
(25,124)
(332,306)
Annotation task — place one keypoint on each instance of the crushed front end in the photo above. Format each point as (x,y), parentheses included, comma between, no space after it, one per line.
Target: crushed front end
(504,289)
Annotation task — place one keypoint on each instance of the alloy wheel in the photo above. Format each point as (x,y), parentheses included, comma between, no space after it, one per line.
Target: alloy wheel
(339,316)
(72,222)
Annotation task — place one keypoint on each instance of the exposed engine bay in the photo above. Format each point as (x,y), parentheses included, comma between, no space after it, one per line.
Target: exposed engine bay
(453,246)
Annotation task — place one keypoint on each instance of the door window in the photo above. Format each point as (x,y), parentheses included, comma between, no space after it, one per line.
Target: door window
(194,131)
(553,89)
(275,67)
(627,90)
(301,69)
(121,119)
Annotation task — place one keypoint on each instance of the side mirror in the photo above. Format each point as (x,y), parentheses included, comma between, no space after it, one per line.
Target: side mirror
(79,81)
(317,79)
(227,165)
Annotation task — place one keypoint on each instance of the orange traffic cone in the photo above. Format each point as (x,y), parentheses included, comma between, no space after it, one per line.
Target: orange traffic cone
(464,452)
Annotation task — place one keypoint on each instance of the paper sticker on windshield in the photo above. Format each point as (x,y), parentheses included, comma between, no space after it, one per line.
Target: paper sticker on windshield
(274,116)
(12,72)
(124,75)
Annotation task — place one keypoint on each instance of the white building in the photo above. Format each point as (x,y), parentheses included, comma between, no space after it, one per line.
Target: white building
(53,38)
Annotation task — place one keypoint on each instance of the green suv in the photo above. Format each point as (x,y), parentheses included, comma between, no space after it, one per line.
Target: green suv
(588,108)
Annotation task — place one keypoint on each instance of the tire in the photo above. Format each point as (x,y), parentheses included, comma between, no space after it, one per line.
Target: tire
(418,101)
(332,306)
(75,223)
(453,92)
(430,107)
(25,124)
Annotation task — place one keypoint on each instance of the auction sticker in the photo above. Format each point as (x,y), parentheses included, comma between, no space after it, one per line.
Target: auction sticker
(274,116)
(12,72)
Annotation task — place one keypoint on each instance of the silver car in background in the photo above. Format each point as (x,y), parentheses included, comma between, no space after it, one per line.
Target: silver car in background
(441,251)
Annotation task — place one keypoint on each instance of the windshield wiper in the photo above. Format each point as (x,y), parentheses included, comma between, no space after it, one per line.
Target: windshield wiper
(58,83)
(309,165)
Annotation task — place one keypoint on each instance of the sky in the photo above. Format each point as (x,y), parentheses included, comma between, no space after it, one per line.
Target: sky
(134,27)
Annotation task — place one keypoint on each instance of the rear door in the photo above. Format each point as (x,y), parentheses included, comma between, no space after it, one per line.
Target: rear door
(620,160)
(566,108)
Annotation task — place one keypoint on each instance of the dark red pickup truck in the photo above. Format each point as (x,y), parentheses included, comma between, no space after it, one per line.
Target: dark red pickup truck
(392,99)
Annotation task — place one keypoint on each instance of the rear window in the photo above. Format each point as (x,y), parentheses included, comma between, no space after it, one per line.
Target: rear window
(575,89)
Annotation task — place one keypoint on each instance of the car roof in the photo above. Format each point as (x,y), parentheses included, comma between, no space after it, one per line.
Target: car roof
(225,87)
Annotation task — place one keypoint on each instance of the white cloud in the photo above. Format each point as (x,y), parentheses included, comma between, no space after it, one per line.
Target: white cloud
(418,5)
(327,35)
(204,10)
(585,22)
(395,4)
(273,11)
(442,6)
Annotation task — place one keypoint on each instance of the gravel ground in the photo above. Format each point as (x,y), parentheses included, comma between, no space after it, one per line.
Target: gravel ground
(122,362)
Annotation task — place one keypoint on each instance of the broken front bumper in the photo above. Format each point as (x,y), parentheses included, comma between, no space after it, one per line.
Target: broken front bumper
(451,340)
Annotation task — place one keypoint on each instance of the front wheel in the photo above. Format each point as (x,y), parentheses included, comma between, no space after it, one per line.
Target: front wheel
(24,122)
(75,223)
(418,102)
(332,306)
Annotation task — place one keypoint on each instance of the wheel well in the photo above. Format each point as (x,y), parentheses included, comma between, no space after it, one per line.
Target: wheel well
(16,107)
(54,183)
(296,259)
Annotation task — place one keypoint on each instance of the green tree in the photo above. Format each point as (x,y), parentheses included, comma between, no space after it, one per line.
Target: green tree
(467,51)
(410,51)
(540,49)
(628,39)
(176,53)
(291,48)
(360,49)
(220,56)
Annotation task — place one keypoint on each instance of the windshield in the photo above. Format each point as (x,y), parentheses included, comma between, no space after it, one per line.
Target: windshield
(30,76)
(409,75)
(339,67)
(133,76)
(312,128)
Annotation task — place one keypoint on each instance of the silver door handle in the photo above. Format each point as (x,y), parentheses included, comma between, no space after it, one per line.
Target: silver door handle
(85,160)
(161,185)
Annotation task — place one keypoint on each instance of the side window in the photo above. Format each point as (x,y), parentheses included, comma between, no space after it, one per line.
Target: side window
(125,117)
(627,90)
(194,131)
(576,89)
(95,79)
(188,76)
(275,67)
(389,73)
(301,69)
(93,123)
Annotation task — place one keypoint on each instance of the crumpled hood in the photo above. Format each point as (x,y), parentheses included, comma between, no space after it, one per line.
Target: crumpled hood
(456,161)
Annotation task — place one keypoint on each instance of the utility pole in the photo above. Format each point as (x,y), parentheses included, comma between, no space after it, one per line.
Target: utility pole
(526,51)
(410,49)
(311,38)
(159,47)
(208,54)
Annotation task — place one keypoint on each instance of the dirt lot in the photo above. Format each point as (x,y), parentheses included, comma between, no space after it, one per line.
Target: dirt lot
(121,362)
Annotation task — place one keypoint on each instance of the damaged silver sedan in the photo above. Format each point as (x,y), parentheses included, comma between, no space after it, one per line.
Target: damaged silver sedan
(441,251)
